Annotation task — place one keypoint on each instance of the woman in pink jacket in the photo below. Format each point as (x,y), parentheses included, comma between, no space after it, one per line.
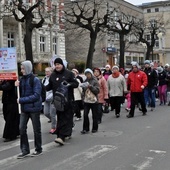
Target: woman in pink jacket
(103,94)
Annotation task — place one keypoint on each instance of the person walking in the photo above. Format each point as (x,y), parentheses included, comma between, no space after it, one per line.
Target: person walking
(90,93)
(10,110)
(137,80)
(162,85)
(31,105)
(64,118)
(49,109)
(103,92)
(107,72)
(78,104)
(116,87)
(149,91)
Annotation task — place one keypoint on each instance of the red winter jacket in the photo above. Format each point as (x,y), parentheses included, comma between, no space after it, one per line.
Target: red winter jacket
(136,80)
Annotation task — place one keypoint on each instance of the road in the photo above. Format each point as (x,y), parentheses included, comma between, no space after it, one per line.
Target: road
(139,143)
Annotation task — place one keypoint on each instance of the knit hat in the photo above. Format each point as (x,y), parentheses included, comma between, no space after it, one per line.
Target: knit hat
(98,70)
(134,63)
(160,69)
(59,61)
(147,62)
(115,67)
(88,70)
(27,66)
(107,66)
(166,65)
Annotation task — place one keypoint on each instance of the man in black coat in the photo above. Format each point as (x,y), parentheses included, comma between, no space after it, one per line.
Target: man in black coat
(149,91)
(64,118)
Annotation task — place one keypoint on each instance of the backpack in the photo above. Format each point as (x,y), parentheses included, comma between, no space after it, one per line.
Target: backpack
(43,91)
(61,97)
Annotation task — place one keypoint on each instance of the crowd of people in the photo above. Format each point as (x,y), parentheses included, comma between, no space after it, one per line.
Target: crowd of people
(97,92)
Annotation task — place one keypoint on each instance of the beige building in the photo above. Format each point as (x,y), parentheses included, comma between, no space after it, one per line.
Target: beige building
(47,41)
(50,40)
(159,13)
(107,46)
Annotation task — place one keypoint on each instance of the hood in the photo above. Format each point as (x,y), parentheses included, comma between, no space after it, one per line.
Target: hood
(27,66)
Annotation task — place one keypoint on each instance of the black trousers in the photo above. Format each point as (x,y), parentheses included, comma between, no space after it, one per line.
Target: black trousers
(115,103)
(137,97)
(65,122)
(86,122)
(11,117)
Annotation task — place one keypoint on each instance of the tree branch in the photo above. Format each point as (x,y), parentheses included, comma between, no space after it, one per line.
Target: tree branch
(16,17)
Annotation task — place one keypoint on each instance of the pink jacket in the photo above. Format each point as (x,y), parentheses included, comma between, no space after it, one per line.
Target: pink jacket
(103,94)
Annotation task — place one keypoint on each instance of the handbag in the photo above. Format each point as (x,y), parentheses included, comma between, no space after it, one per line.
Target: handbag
(89,97)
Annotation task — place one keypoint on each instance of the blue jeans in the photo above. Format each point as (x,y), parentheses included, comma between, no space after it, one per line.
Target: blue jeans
(35,118)
(149,95)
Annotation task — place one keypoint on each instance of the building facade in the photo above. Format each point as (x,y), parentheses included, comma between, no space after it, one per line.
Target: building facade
(107,47)
(47,41)
(159,12)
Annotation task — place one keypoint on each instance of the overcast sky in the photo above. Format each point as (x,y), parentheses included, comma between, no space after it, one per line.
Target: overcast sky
(139,2)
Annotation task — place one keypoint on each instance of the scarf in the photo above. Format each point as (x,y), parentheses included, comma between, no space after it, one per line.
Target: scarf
(115,75)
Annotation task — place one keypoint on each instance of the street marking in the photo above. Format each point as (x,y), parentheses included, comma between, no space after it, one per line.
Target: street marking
(83,159)
(156,154)
(12,145)
(9,162)
(145,164)
(158,151)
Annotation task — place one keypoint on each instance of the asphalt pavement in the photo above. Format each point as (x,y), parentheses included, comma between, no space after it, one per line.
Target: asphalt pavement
(139,143)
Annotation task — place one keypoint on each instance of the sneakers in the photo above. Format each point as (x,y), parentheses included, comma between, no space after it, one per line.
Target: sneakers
(152,108)
(59,141)
(36,153)
(94,131)
(84,132)
(144,114)
(52,131)
(22,155)
(129,116)
(117,115)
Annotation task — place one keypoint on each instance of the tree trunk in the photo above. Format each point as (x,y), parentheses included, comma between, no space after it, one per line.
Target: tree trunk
(91,50)
(122,51)
(28,43)
(148,52)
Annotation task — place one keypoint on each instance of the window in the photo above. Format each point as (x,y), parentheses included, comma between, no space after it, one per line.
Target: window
(156,9)
(148,10)
(42,44)
(128,60)
(141,60)
(10,39)
(135,59)
(55,45)
(147,37)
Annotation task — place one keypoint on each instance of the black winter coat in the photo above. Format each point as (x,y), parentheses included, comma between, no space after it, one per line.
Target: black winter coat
(57,78)
(9,91)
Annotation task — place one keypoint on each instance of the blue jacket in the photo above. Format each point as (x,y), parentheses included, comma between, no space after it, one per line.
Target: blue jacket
(30,97)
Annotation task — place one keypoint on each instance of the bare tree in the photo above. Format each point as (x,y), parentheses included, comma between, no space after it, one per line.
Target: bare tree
(90,16)
(27,19)
(150,28)
(120,23)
